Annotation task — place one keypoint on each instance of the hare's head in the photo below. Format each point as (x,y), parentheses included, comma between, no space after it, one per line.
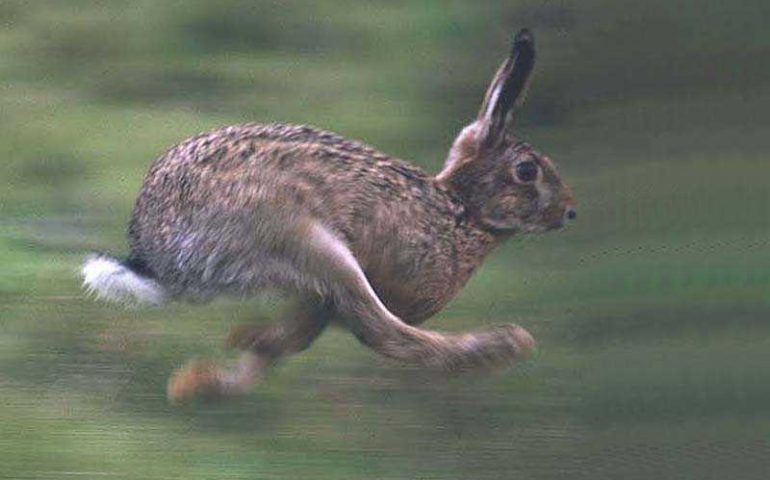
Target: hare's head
(504,183)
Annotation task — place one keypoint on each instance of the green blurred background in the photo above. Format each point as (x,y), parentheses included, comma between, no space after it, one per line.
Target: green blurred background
(651,312)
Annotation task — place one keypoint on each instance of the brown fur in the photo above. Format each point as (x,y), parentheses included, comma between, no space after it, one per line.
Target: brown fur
(359,236)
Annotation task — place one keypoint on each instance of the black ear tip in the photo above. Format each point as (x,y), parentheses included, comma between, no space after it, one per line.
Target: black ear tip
(524,45)
(524,37)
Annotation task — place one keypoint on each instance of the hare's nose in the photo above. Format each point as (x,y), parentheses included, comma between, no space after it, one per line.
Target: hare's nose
(570,214)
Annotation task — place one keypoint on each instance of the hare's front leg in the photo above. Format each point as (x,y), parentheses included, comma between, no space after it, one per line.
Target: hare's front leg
(261,346)
(370,320)
(303,324)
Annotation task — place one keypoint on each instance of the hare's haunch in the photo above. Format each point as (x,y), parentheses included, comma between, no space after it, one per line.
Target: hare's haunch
(358,236)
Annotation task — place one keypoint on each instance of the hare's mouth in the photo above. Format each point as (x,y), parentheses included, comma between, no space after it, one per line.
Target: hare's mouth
(556,225)
(541,227)
(555,221)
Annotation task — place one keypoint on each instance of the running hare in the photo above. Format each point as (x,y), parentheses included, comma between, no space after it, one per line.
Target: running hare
(360,237)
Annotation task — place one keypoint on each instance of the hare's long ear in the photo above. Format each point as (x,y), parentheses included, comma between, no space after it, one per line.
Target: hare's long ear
(507,91)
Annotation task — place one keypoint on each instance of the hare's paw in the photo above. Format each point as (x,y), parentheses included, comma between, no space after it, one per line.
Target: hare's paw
(524,342)
(197,379)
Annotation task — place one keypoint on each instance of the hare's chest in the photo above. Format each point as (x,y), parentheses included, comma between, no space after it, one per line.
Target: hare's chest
(415,295)
(419,264)
(413,302)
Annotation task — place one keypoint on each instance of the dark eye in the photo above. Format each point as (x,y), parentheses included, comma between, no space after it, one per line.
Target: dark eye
(526,171)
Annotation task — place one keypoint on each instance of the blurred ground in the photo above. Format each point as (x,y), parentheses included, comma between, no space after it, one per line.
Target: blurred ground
(651,312)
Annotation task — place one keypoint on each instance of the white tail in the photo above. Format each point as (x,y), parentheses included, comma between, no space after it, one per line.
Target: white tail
(110,280)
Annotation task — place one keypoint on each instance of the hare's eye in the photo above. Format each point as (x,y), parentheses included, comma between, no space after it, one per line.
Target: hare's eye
(526,171)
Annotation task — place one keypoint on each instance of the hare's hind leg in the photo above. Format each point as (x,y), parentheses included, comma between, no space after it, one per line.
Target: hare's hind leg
(370,320)
(261,346)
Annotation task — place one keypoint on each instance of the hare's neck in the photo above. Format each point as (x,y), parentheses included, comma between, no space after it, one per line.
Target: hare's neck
(472,245)
(471,242)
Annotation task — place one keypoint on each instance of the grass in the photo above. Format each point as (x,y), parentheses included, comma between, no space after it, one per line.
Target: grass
(650,313)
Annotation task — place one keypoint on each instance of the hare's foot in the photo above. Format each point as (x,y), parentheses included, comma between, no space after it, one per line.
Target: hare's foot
(205,380)
(525,343)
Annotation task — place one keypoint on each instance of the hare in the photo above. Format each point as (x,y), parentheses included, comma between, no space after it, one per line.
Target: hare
(359,237)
